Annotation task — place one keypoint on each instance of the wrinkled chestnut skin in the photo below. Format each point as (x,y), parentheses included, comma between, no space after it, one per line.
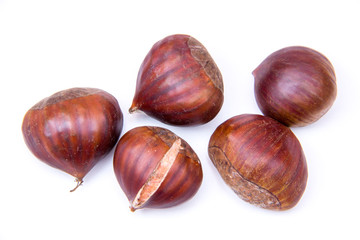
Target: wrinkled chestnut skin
(179,83)
(261,160)
(73,129)
(137,154)
(295,85)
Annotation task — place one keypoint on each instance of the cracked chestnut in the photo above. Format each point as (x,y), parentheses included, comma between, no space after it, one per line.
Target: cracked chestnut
(179,83)
(295,85)
(261,160)
(73,129)
(155,168)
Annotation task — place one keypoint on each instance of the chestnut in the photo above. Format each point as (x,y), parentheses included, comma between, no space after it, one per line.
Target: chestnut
(73,129)
(155,168)
(261,160)
(295,85)
(179,83)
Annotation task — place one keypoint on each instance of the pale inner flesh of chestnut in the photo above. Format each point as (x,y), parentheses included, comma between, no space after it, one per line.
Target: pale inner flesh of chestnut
(158,175)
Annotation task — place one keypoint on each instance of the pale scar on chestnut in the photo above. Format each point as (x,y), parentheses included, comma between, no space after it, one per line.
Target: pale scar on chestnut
(65,95)
(245,189)
(169,138)
(202,56)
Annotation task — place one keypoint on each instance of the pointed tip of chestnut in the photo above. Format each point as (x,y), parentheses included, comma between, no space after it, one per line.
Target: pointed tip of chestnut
(254,73)
(133,108)
(79,183)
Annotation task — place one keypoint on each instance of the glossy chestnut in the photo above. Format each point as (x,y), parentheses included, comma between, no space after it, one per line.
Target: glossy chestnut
(73,129)
(155,168)
(261,160)
(295,85)
(179,83)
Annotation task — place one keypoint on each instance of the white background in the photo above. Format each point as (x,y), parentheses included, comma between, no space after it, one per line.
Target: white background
(47,46)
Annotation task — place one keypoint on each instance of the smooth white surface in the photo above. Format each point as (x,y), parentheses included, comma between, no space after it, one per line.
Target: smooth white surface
(47,46)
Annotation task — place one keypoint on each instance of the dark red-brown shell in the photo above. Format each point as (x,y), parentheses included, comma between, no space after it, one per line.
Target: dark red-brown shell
(295,85)
(261,160)
(73,129)
(137,158)
(179,83)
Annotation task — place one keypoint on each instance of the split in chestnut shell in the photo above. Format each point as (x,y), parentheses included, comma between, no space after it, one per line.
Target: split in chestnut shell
(155,168)
(295,85)
(73,129)
(179,83)
(261,160)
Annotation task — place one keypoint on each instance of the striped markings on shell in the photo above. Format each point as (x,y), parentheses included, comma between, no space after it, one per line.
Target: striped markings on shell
(158,175)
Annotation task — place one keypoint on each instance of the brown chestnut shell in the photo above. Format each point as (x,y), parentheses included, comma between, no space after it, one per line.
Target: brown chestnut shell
(295,85)
(73,129)
(261,160)
(179,83)
(155,168)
